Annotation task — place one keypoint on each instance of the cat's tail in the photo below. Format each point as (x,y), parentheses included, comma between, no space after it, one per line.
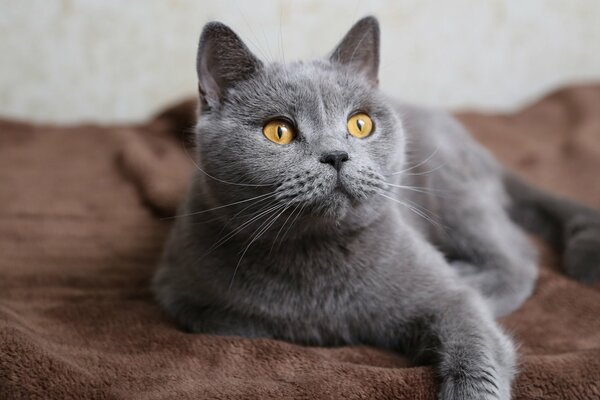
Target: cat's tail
(571,228)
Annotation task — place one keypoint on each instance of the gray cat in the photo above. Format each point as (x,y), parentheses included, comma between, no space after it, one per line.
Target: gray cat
(325,213)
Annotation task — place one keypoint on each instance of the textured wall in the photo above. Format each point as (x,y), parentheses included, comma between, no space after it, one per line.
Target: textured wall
(112,60)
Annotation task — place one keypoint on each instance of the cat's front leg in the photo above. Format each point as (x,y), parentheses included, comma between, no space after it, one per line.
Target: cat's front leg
(474,359)
(453,330)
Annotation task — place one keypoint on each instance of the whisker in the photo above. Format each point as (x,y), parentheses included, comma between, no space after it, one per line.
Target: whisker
(255,238)
(420,189)
(256,41)
(281,36)
(283,208)
(230,235)
(414,210)
(251,214)
(240,228)
(423,210)
(425,172)
(221,180)
(237,214)
(282,226)
(291,224)
(417,165)
(266,195)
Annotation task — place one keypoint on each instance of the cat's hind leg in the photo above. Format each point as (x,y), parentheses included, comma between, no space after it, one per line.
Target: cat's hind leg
(572,228)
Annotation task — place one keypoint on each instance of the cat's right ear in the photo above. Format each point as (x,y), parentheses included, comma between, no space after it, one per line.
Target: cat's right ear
(222,60)
(359,49)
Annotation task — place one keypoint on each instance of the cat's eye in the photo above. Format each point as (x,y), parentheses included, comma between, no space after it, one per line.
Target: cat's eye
(279,131)
(360,125)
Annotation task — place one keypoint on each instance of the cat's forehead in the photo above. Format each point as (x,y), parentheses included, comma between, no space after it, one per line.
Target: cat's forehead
(317,76)
(303,87)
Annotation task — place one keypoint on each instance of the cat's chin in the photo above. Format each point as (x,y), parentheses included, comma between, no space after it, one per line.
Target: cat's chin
(337,205)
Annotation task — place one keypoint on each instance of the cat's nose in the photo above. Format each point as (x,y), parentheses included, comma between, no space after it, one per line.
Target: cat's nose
(334,158)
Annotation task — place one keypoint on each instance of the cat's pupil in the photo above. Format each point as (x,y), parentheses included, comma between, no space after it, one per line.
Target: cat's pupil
(360,124)
(280,131)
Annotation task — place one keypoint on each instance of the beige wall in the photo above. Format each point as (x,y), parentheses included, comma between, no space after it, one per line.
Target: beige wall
(116,60)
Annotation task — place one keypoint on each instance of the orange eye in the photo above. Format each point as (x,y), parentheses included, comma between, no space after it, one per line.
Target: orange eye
(279,132)
(360,125)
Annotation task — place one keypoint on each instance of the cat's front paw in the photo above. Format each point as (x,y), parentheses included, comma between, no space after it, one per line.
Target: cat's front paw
(484,373)
(480,384)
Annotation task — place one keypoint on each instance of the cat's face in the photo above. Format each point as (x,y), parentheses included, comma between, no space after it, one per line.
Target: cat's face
(316,138)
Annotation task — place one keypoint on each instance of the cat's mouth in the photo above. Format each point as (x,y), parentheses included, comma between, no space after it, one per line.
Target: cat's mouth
(342,196)
(341,188)
(330,194)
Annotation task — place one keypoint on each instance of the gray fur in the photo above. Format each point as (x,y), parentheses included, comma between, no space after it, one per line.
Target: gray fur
(271,242)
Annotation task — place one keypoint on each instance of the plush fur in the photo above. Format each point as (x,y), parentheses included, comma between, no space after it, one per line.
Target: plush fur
(409,246)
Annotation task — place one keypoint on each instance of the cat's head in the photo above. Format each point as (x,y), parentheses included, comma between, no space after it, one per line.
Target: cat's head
(312,138)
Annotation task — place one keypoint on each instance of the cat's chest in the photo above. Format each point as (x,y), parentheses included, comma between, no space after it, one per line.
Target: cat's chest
(314,299)
(317,291)
(307,281)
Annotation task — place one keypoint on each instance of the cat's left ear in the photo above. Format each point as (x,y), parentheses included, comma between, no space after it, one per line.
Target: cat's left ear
(359,49)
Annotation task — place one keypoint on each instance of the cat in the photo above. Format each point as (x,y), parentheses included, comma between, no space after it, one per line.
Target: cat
(324,213)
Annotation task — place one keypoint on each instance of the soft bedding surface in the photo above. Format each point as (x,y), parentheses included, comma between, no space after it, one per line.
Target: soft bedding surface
(82,222)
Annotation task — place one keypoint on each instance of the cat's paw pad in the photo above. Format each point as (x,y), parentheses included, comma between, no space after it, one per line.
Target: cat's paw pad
(581,256)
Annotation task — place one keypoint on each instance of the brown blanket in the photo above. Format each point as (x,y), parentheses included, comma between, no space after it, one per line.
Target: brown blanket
(79,239)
